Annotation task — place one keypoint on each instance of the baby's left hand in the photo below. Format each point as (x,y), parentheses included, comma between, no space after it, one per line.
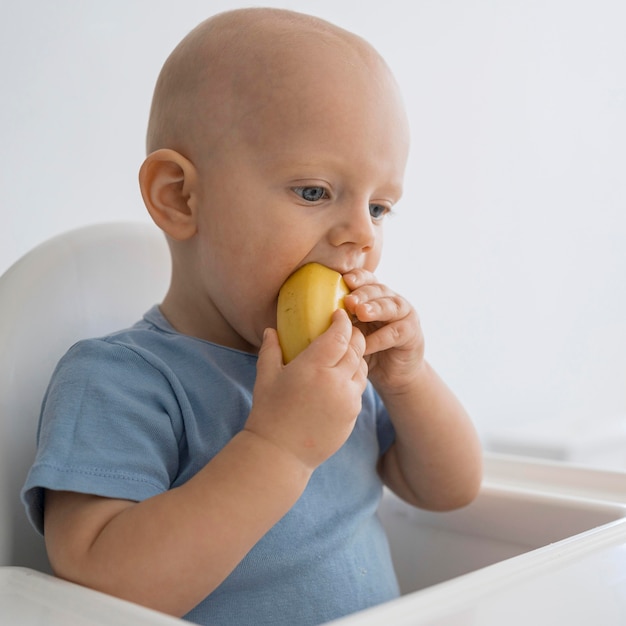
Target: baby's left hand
(394,341)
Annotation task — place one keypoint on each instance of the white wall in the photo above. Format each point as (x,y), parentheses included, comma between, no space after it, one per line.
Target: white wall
(511,238)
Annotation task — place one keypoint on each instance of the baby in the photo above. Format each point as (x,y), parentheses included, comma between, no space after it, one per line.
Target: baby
(181,464)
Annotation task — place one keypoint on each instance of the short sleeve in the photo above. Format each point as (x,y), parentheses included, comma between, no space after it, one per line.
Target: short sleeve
(110,426)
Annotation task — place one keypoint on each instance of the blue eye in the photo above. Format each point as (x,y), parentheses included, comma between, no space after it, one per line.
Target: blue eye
(311,194)
(377,211)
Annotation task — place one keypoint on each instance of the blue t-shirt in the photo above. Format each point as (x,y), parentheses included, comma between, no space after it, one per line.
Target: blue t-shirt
(141,411)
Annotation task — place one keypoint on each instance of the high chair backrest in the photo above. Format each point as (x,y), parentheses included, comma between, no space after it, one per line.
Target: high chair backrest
(83,283)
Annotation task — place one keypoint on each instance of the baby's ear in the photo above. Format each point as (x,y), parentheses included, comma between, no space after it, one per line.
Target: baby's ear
(167,181)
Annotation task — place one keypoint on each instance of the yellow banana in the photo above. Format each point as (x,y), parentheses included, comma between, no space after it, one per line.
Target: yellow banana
(306,303)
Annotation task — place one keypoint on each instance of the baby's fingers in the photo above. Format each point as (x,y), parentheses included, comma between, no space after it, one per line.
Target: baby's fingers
(362,371)
(332,346)
(385,337)
(385,308)
(353,362)
(353,357)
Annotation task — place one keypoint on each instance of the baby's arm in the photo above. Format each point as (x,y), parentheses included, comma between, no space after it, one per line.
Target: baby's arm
(170,551)
(436,460)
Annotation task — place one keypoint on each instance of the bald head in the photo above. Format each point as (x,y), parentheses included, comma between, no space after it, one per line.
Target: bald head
(239,66)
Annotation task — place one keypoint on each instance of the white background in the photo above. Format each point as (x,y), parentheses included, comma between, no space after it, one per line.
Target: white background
(511,237)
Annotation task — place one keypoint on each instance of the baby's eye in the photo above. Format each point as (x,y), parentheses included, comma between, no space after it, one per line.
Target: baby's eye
(378,211)
(311,194)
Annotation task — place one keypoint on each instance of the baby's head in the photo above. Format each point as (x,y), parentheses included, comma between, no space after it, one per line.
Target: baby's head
(242,69)
(274,139)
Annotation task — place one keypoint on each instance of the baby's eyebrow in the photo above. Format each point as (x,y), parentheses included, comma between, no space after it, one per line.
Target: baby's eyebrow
(392,191)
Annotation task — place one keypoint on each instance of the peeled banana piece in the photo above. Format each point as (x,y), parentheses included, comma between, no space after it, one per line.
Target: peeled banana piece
(306,303)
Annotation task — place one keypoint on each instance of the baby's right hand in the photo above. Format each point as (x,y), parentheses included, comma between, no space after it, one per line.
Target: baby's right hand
(309,407)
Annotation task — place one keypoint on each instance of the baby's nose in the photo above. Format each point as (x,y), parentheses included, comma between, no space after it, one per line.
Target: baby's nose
(355,226)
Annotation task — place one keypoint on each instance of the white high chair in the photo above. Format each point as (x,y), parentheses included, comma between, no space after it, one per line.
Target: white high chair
(83,283)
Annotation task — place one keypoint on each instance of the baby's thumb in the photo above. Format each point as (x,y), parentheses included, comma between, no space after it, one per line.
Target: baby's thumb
(270,353)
